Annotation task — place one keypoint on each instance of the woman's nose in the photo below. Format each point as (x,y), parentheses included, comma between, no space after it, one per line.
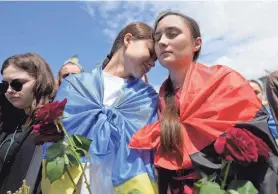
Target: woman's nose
(10,90)
(163,42)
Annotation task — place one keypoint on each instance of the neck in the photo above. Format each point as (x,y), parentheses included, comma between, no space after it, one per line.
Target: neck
(116,66)
(177,76)
(27,111)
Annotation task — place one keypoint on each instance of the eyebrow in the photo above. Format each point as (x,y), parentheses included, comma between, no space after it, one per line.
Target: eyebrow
(168,28)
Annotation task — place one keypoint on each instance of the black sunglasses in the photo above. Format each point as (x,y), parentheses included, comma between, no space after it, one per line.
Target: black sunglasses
(15,84)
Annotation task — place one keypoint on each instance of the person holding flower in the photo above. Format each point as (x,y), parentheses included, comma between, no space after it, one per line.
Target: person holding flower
(197,106)
(108,106)
(27,85)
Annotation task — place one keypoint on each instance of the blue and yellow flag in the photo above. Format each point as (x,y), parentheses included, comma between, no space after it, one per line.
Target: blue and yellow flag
(114,167)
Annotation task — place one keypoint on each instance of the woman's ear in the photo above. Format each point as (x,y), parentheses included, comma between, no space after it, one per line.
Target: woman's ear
(127,39)
(198,44)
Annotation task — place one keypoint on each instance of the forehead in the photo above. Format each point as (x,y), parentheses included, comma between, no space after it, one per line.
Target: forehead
(70,68)
(147,42)
(255,86)
(12,72)
(171,21)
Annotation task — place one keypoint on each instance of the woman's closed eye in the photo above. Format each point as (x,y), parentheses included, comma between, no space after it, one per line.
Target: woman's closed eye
(171,34)
(157,37)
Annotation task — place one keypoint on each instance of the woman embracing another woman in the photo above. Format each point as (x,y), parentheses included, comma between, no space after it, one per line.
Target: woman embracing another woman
(207,115)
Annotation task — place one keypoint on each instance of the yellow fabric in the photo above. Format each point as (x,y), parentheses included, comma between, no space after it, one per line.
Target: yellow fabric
(155,187)
(139,184)
(74,59)
(62,186)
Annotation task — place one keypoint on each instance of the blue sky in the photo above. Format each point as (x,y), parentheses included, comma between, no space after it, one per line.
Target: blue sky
(237,34)
(56,31)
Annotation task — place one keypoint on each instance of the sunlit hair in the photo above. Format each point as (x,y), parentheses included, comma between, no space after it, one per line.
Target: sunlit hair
(139,31)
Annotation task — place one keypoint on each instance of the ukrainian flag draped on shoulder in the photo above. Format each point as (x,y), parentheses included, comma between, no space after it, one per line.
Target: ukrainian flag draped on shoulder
(114,168)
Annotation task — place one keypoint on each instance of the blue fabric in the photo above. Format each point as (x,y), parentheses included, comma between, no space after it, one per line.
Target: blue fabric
(272,125)
(110,127)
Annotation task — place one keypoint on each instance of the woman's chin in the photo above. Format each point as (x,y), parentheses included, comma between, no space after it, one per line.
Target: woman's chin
(167,63)
(18,105)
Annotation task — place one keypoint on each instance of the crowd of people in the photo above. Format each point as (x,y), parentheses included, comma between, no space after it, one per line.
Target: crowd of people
(143,142)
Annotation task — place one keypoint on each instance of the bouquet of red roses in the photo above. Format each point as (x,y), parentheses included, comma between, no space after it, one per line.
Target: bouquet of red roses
(61,155)
(239,146)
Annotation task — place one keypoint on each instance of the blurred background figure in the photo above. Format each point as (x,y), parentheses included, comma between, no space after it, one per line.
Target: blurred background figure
(258,88)
(272,94)
(70,66)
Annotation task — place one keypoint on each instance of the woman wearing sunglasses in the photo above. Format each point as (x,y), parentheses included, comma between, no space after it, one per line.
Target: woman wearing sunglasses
(27,84)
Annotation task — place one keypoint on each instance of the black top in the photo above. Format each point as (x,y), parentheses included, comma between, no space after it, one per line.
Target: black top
(16,147)
(14,168)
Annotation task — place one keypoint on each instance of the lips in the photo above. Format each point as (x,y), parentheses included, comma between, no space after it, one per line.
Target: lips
(164,52)
(14,98)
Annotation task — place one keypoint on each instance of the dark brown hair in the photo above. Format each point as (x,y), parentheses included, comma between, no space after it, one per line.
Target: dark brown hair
(138,30)
(171,133)
(44,87)
(190,22)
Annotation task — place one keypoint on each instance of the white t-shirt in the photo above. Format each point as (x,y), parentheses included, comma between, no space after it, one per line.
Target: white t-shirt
(112,88)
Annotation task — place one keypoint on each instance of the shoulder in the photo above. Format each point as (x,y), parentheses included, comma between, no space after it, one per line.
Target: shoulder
(224,72)
(216,68)
(144,88)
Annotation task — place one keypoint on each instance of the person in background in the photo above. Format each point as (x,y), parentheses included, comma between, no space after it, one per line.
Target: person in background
(258,88)
(27,85)
(70,66)
(272,94)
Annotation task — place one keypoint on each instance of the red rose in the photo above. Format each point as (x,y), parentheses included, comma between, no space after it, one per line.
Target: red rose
(36,128)
(263,149)
(241,145)
(46,130)
(47,133)
(50,112)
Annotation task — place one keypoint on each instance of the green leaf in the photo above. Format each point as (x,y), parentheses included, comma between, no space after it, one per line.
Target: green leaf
(82,142)
(231,192)
(56,149)
(72,159)
(66,159)
(243,187)
(200,182)
(55,169)
(211,188)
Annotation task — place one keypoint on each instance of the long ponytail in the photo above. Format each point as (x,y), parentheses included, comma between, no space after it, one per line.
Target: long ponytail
(171,134)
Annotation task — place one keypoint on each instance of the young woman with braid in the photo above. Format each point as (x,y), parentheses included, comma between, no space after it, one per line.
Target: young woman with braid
(198,104)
